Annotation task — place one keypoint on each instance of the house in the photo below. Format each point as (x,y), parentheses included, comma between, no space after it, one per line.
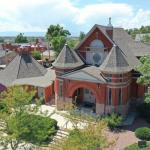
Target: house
(99,74)
(24,70)
(140,37)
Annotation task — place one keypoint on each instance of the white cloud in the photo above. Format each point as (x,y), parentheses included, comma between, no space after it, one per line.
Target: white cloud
(37,15)
(103,10)
(141,17)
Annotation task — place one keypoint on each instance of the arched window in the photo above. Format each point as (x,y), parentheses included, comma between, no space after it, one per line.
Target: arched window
(97,44)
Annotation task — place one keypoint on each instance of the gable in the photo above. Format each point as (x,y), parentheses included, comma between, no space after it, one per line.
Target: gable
(93,34)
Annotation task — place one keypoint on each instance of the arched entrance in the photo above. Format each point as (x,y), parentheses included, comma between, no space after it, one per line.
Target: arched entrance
(85,99)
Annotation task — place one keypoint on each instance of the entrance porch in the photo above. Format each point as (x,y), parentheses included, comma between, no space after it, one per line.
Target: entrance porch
(85,100)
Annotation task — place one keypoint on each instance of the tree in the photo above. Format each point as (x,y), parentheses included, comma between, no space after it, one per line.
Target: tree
(81,36)
(56,31)
(57,36)
(36,55)
(58,43)
(144,69)
(1,40)
(146,38)
(72,43)
(141,30)
(21,38)
(91,137)
(19,127)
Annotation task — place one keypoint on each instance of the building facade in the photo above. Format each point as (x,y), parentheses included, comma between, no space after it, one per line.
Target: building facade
(99,74)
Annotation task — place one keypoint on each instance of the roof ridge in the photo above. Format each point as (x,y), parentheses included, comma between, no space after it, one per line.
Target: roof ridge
(68,58)
(18,66)
(36,65)
(116,61)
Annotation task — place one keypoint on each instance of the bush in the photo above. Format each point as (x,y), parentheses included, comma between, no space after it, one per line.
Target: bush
(144,111)
(36,55)
(143,133)
(91,137)
(32,128)
(3,107)
(113,120)
(136,147)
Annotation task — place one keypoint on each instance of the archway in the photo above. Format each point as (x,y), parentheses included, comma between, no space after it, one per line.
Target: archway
(84,99)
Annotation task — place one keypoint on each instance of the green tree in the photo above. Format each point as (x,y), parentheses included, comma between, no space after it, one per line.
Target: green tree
(81,36)
(57,36)
(1,40)
(146,38)
(144,69)
(36,55)
(17,125)
(56,31)
(91,137)
(21,38)
(142,29)
(72,43)
(58,43)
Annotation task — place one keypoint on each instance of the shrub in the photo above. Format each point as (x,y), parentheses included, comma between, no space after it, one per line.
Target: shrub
(143,133)
(113,120)
(144,111)
(36,55)
(136,147)
(91,137)
(32,128)
(3,107)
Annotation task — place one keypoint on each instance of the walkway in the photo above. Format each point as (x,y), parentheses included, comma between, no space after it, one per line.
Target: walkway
(126,136)
(62,121)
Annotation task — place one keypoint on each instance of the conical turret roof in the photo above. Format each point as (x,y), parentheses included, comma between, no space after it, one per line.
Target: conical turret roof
(116,62)
(67,59)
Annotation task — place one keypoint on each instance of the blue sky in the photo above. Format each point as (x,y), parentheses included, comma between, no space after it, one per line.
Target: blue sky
(74,15)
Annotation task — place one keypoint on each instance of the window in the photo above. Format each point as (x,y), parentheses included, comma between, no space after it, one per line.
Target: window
(120,97)
(109,77)
(60,88)
(121,77)
(97,44)
(109,102)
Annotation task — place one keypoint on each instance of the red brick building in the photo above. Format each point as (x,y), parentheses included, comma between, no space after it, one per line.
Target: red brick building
(99,75)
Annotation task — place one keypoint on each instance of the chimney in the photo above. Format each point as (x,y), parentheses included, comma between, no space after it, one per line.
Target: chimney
(109,29)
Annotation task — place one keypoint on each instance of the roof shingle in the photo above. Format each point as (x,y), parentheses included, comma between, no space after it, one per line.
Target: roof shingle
(67,59)
(116,62)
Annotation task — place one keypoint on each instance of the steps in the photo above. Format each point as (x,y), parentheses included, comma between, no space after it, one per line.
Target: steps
(58,139)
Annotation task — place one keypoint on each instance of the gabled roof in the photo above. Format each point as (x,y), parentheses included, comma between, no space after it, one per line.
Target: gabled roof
(101,28)
(116,62)
(89,74)
(21,67)
(67,59)
(123,40)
